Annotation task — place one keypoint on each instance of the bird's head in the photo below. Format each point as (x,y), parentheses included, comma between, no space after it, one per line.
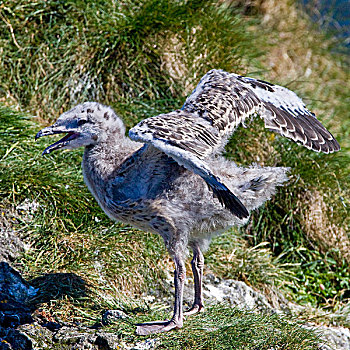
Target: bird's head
(84,125)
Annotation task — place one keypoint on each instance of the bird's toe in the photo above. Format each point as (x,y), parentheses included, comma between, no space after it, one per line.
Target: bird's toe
(156,327)
(195,309)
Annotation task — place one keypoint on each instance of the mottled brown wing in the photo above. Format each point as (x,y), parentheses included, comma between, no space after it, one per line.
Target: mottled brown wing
(223,101)
(179,129)
(188,139)
(227,99)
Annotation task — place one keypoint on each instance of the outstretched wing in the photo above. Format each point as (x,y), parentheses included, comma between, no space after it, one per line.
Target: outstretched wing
(220,102)
(227,99)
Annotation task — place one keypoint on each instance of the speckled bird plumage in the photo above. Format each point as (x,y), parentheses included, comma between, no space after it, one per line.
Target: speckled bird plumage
(168,176)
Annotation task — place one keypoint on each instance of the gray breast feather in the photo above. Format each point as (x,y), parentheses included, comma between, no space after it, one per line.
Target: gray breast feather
(190,160)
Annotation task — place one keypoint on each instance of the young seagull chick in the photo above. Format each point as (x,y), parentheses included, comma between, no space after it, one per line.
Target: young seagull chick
(169,177)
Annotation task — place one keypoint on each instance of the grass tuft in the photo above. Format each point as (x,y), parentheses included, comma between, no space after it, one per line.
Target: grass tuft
(222,327)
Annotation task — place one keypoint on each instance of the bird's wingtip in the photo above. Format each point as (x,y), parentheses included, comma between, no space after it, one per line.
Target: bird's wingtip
(227,198)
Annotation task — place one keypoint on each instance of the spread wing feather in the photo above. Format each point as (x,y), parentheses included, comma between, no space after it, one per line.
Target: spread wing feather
(188,139)
(227,99)
(221,102)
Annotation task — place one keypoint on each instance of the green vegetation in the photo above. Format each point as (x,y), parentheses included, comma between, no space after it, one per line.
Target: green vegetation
(224,327)
(123,55)
(143,58)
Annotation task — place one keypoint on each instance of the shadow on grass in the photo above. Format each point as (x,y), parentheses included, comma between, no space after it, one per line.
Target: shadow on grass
(21,299)
(53,286)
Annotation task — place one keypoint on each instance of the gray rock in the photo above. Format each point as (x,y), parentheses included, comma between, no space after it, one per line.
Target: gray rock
(236,293)
(71,335)
(28,207)
(10,243)
(13,286)
(40,337)
(16,339)
(78,338)
(108,341)
(111,316)
(148,344)
(335,338)
(85,343)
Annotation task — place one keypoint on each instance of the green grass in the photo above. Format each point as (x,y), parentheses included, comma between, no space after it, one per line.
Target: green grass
(223,327)
(143,58)
(230,256)
(308,221)
(78,51)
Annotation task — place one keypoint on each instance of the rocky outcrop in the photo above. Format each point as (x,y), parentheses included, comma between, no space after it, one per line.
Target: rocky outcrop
(22,327)
(10,244)
(335,338)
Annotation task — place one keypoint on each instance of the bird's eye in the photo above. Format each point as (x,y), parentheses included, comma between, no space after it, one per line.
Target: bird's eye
(82,122)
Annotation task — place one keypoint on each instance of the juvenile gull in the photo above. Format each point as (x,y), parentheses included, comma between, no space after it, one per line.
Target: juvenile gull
(169,176)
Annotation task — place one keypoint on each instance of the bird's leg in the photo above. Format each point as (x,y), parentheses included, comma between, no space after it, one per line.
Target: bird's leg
(177,319)
(197,269)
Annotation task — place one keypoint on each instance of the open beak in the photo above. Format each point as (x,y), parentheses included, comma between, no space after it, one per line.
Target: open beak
(52,130)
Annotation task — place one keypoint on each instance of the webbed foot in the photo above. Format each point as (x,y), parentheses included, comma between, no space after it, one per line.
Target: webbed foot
(195,309)
(156,327)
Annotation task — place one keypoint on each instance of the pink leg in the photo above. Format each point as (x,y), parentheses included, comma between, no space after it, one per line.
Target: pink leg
(177,319)
(197,269)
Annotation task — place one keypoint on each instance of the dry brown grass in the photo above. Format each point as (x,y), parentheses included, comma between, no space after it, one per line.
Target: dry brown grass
(320,229)
(300,57)
(174,62)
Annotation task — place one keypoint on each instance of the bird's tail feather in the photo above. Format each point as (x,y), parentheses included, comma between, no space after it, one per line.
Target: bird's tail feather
(255,185)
